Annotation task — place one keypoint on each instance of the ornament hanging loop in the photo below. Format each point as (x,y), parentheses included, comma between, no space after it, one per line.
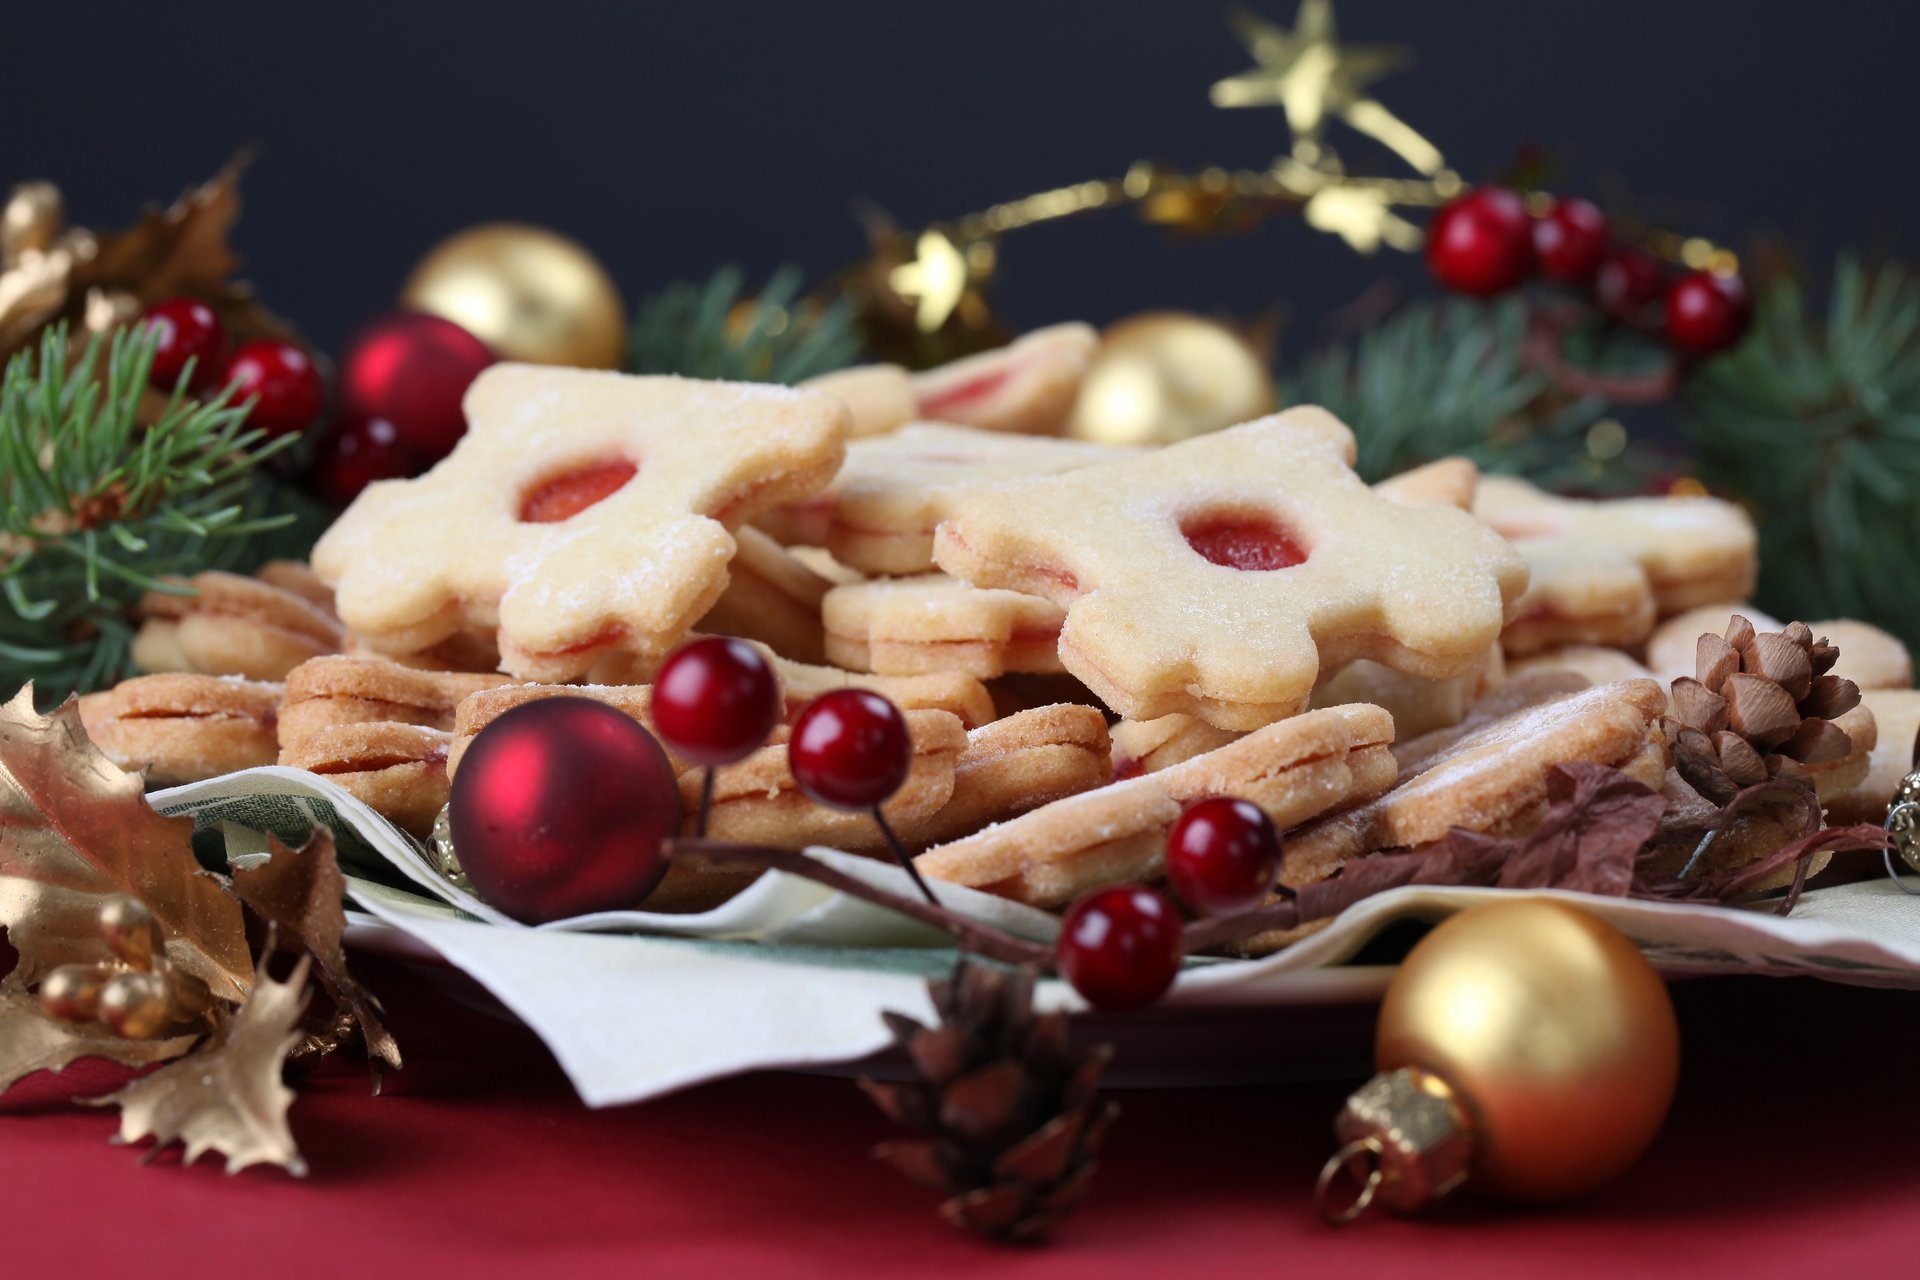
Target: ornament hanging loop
(1344,1160)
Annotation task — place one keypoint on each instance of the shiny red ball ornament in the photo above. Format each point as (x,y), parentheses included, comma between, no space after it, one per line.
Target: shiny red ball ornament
(353,454)
(1569,240)
(716,701)
(1481,243)
(560,808)
(282,381)
(850,749)
(1223,855)
(1707,311)
(1628,282)
(412,370)
(1120,947)
(185,329)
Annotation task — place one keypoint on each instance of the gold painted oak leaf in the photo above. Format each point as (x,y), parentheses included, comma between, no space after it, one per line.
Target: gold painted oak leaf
(31,1040)
(302,892)
(227,1096)
(75,829)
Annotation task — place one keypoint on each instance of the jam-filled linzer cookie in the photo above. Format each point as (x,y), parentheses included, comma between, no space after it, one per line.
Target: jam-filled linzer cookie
(1218,576)
(181,727)
(222,624)
(583,514)
(1027,387)
(930,622)
(342,690)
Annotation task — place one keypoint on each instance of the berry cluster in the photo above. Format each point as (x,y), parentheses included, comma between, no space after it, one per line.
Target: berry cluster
(1487,242)
(278,377)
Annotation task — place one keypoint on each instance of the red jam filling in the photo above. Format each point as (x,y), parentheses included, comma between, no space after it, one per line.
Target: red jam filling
(1248,543)
(965,393)
(566,496)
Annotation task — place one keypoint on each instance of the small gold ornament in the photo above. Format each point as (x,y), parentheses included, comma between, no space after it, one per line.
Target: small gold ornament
(1163,376)
(1526,1050)
(529,293)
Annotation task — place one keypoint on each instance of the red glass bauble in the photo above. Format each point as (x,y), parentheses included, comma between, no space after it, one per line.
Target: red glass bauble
(716,700)
(185,329)
(413,370)
(353,454)
(560,808)
(1569,239)
(281,380)
(1120,947)
(1481,243)
(850,749)
(1222,855)
(1628,281)
(1707,311)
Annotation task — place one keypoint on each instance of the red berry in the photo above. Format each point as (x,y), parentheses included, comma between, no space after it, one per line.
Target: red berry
(355,453)
(716,701)
(1707,311)
(1628,281)
(1569,239)
(1223,855)
(850,749)
(1120,947)
(283,383)
(185,329)
(1481,243)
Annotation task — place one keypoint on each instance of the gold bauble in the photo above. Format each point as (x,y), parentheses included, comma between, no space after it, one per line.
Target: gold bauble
(1553,1031)
(528,293)
(1163,376)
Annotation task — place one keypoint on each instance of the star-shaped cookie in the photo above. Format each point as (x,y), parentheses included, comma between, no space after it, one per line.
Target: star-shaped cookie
(1216,577)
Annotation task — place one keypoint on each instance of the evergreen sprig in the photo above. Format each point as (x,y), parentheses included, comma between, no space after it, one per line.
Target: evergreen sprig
(710,331)
(96,508)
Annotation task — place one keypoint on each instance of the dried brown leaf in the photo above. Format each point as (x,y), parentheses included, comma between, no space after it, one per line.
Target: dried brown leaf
(31,1041)
(76,829)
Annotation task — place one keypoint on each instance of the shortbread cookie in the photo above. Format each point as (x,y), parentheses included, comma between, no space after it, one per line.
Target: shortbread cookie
(583,513)
(1599,665)
(334,691)
(1693,550)
(229,625)
(1418,705)
(1028,387)
(1493,780)
(1013,765)
(1869,657)
(1295,770)
(1579,594)
(771,597)
(397,770)
(182,727)
(821,561)
(298,577)
(1445,482)
(878,397)
(1895,754)
(1516,694)
(1219,576)
(1148,746)
(930,622)
(1670,649)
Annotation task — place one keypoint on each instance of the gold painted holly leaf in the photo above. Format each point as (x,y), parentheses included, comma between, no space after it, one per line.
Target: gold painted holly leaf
(179,249)
(227,1096)
(302,892)
(75,828)
(32,1041)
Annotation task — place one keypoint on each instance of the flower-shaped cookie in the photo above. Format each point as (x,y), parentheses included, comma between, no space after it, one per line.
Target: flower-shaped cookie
(583,514)
(1216,577)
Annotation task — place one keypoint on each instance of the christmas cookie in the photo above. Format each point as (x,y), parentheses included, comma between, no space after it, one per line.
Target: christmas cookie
(771,597)
(1418,705)
(930,622)
(1148,746)
(222,624)
(397,770)
(878,397)
(1579,595)
(181,727)
(1295,770)
(298,577)
(583,514)
(334,691)
(1670,649)
(1693,550)
(1869,657)
(1013,765)
(1895,754)
(1219,576)
(467,651)
(1597,664)
(1029,387)
(1446,482)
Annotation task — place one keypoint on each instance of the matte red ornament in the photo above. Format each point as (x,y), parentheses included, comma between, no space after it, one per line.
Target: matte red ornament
(185,329)
(413,370)
(1481,243)
(353,454)
(1223,855)
(282,381)
(1628,282)
(1707,311)
(1120,947)
(716,701)
(1569,240)
(560,808)
(850,749)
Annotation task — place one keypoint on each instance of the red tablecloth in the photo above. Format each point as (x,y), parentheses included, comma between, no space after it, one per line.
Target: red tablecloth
(1792,1150)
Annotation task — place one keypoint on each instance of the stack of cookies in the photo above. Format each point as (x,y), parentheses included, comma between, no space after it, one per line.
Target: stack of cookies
(1084,638)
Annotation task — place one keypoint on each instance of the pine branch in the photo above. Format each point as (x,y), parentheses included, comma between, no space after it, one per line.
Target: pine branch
(96,507)
(711,331)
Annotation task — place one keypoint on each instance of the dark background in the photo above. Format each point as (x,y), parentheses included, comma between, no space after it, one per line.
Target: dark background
(671,138)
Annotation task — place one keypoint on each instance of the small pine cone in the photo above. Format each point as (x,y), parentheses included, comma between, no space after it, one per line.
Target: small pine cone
(1012,1118)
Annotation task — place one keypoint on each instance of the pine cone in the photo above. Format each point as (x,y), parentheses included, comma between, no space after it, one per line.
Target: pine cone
(1761,705)
(1012,1118)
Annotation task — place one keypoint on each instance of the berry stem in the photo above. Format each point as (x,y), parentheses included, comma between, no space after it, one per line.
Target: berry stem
(901,855)
(706,804)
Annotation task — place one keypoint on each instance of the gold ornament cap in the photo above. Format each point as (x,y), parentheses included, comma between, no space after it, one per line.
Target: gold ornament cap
(1404,1138)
